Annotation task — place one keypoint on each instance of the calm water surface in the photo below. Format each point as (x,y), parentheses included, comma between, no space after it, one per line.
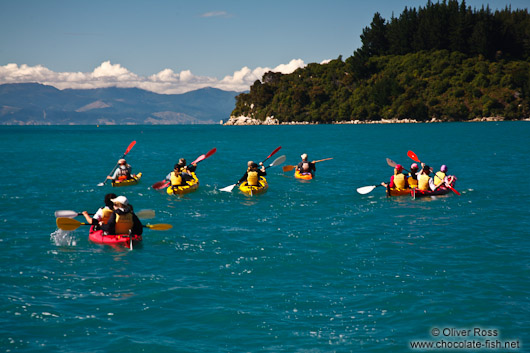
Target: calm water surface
(307,267)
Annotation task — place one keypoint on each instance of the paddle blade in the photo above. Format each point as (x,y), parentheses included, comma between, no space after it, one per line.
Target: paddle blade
(66,214)
(278,161)
(131,145)
(210,152)
(160,226)
(228,188)
(413,156)
(456,192)
(200,158)
(288,168)
(366,189)
(68,223)
(273,152)
(160,185)
(391,162)
(145,214)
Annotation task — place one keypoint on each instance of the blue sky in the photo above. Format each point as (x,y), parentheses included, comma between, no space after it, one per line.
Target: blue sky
(175,46)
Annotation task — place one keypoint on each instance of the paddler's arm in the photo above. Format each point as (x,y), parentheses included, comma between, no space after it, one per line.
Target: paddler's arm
(89,219)
(243,178)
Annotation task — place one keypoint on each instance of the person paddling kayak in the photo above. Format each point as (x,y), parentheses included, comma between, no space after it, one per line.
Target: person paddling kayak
(103,214)
(412,178)
(305,166)
(441,178)
(122,220)
(253,174)
(123,172)
(398,180)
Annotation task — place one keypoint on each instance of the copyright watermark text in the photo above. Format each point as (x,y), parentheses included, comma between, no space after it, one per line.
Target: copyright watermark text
(451,338)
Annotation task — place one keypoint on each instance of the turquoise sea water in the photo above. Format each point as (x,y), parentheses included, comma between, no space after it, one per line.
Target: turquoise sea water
(307,267)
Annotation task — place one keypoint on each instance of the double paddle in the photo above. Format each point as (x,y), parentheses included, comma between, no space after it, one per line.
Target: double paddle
(165,183)
(276,162)
(415,158)
(131,145)
(288,168)
(69,224)
(143,214)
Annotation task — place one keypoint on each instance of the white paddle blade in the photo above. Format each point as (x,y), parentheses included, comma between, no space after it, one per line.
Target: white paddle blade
(278,161)
(145,214)
(366,189)
(101,184)
(66,214)
(228,188)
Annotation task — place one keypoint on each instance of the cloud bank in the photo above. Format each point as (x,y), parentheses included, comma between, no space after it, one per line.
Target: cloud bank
(166,81)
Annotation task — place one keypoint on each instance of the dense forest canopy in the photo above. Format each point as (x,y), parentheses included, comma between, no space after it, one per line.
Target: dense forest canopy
(444,61)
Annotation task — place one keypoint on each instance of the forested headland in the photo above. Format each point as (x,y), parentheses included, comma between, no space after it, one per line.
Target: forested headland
(443,62)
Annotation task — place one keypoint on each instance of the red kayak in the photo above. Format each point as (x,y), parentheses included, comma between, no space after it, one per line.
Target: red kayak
(98,237)
(441,190)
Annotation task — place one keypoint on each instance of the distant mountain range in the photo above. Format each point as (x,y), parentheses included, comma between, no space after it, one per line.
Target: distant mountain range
(37,104)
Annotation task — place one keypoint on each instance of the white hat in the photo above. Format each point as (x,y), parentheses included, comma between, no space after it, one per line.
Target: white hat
(121,160)
(304,156)
(120,199)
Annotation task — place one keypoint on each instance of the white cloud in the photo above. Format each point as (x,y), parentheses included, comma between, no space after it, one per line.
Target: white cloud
(114,75)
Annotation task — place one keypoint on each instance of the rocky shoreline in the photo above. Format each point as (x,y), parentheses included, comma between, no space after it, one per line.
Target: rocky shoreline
(245,120)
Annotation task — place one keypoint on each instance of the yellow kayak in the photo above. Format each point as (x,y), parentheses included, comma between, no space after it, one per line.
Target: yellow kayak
(397,192)
(304,176)
(135,179)
(190,186)
(254,190)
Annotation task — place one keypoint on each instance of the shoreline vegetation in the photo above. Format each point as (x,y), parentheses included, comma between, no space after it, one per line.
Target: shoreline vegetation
(444,62)
(243,120)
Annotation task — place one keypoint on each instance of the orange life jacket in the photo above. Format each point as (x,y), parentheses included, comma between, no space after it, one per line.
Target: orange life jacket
(124,223)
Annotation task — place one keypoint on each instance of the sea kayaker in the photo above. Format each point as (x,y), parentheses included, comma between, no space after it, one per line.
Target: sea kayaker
(186,170)
(122,220)
(425,181)
(102,214)
(123,172)
(175,177)
(305,166)
(441,178)
(398,180)
(412,178)
(253,174)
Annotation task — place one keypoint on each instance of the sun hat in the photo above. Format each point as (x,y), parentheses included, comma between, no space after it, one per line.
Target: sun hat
(443,168)
(122,161)
(304,156)
(120,199)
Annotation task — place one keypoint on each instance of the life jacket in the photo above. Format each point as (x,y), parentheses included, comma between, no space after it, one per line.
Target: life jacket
(176,179)
(439,178)
(423,182)
(399,181)
(412,180)
(123,174)
(252,178)
(106,213)
(124,223)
